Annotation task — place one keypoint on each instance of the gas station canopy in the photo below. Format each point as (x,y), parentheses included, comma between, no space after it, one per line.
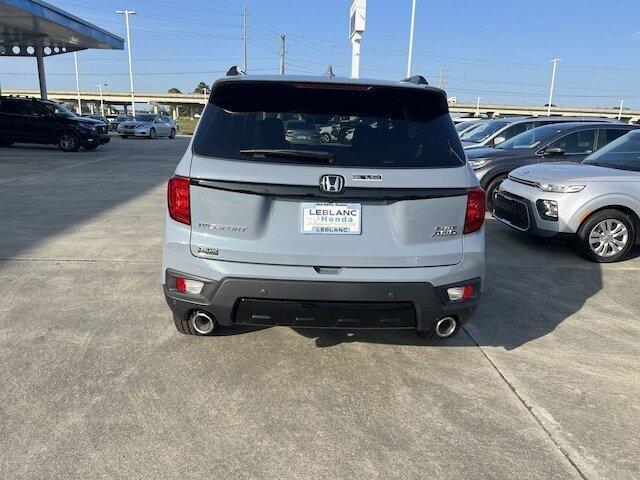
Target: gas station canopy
(33,28)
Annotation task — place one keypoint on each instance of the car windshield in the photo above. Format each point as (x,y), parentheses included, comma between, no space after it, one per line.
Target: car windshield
(58,110)
(530,139)
(463,125)
(144,118)
(484,131)
(388,127)
(623,154)
(123,118)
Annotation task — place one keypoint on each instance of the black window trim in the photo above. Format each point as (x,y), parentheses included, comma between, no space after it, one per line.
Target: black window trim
(566,134)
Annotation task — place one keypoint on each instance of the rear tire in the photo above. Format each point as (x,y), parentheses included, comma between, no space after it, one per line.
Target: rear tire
(183,326)
(606,236)
(492,191)
(173,133)
(68,142)
(152,133)
(5,144)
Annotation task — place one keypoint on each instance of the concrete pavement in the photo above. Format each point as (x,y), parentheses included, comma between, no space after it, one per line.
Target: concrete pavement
(97,383)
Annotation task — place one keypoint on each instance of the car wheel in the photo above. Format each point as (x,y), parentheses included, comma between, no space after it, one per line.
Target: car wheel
(173,133)
(152,133)
(606,236)
(325,138)
(124,136)
(5,144)
(68,142)
(492,191)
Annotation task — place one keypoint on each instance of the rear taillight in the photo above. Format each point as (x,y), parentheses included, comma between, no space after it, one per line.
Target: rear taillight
(463,292)
(179,200)
(476,204)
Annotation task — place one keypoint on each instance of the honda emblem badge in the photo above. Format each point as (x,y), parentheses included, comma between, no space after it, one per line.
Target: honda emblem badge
(332,183)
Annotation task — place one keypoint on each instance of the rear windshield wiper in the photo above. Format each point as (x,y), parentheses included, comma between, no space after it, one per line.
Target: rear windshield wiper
(292,154)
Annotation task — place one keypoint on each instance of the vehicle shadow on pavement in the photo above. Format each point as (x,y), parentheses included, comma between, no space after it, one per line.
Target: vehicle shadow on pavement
(65,205)
(532,285)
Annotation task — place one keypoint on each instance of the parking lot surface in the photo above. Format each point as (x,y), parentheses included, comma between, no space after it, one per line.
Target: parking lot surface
(97,383)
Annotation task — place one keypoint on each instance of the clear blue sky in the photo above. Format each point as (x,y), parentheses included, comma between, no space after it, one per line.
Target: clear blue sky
(496,49)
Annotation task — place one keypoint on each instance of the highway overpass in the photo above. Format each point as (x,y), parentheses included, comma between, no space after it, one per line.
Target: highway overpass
(186,104)
(179,104)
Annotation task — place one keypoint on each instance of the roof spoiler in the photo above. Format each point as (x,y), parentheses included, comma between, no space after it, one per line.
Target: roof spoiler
(416,79)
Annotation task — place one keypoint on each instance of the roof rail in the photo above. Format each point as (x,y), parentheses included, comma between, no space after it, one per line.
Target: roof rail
(234,71)
(416,79)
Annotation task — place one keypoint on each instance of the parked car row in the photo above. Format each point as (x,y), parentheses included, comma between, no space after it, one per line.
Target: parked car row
(576,178)
(33,120)
(596,201)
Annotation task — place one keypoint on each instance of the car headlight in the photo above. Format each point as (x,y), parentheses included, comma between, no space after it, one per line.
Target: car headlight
(554,187)
(475,164)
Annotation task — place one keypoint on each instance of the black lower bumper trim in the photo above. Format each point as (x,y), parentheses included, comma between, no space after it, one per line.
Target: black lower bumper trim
(325,314)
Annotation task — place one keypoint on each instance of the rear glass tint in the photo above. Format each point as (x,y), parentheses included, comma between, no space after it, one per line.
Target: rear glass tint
(357,125)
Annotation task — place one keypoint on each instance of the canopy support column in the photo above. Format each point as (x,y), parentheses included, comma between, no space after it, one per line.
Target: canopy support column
(41,75)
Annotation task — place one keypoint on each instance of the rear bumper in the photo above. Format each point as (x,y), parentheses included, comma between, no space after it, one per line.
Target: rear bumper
(322,304)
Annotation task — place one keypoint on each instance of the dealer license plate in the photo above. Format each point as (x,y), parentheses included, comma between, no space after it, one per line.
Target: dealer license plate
(331,218)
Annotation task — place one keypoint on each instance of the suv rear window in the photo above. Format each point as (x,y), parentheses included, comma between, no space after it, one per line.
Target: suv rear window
(347,125)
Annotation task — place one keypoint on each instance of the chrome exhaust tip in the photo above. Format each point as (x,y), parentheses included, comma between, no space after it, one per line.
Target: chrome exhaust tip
(202,322)
(446,327)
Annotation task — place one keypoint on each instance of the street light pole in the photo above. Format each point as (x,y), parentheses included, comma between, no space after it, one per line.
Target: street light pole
(478,106)
(75,61)
(244,36)
(620,111)
(413,18)
(553,81)
(101,100)
(126,14)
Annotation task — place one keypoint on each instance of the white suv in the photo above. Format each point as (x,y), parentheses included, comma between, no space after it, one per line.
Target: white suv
(595,202)
(384,231)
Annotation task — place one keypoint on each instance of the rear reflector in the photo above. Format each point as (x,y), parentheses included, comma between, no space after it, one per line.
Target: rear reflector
(178,199)
(184,285)
(476,205)
(463,292)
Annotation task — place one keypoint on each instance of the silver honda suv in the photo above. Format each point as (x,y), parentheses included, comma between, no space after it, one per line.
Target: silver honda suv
(384,230)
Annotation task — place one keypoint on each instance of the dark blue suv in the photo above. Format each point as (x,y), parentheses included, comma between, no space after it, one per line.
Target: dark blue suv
(31,120)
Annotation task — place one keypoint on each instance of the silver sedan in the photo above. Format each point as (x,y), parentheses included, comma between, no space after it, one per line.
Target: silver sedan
(148,125)
(596,201)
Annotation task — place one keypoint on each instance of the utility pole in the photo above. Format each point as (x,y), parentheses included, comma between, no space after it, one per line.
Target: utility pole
(478,106)
(620,111)
(101,100)
(244,35)
(553,81)
(283,47)
(442,78)
(413,18)
(126,14)
(75,61)
(357,23)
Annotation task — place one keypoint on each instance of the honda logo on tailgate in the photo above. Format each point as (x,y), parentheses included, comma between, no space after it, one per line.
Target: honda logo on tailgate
(332,183)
